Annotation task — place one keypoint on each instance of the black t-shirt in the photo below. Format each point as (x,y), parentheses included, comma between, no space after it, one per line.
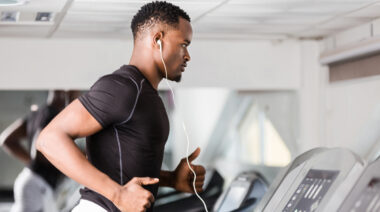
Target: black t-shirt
(35,122)
(135,130)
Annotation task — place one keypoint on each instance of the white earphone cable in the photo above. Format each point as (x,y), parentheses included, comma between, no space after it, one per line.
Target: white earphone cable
(184,129)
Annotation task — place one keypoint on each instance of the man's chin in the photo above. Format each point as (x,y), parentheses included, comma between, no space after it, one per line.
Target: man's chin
(177,78)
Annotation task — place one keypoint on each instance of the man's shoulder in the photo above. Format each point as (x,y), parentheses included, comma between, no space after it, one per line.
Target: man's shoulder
(129,71)
(125,75)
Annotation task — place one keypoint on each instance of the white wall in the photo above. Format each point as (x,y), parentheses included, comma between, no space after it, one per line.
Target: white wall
(255,65)
(311,98)
(199,109)
(43,64)
(351,114)
(77,63)
(352,107)
(339,114)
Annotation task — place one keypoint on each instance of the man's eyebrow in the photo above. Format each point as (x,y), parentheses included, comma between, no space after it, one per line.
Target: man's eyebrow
(187,41)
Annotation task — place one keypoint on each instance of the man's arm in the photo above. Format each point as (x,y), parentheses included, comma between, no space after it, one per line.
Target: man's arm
(11,140)
(56,143)
(166,179)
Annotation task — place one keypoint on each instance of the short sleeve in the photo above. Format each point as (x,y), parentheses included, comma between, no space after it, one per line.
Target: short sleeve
(111,99)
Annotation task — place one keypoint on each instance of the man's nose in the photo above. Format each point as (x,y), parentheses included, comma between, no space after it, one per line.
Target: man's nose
(187,56)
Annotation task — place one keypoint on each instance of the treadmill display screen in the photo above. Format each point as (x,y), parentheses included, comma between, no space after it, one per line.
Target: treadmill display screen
(311,191)
(369,198)
(233,199)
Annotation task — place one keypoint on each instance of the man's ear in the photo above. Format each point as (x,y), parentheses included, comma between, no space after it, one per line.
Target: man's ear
(158,37)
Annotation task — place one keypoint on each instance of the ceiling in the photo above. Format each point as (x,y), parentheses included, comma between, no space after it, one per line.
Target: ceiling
(225,19)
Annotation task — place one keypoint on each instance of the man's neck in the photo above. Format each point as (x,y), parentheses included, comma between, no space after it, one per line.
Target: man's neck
(146,66)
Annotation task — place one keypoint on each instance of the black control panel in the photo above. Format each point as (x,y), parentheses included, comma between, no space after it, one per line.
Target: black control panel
(311,191)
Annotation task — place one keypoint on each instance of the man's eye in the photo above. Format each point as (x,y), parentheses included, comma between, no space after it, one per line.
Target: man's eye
(184,45)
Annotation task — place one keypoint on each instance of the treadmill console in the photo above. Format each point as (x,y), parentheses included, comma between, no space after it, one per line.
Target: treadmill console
(243,193)
(310,192)
(234,197)
(315,181)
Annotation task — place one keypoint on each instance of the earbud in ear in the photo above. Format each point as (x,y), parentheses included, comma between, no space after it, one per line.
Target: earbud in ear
(159,42)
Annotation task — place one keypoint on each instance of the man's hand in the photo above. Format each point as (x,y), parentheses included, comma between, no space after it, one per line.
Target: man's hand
(132,197)
(184,177)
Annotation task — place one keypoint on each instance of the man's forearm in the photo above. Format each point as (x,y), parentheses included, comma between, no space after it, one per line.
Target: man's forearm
(62,152)
(11,138)
(15,149)
(166,179)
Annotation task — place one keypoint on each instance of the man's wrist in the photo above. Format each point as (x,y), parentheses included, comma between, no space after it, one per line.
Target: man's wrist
(112,191)
(167,178)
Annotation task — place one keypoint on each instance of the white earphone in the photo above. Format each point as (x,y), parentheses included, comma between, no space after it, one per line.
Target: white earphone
(163,62)
(184,129)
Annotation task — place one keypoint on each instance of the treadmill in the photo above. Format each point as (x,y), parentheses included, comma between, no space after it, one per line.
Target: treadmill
(365,195)
(317,180)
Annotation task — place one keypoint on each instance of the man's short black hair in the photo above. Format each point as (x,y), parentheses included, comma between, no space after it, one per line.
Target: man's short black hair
(154,12)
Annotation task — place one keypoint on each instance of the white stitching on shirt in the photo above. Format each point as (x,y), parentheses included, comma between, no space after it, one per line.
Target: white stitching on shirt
(120,161)
(117,133)
(137,98)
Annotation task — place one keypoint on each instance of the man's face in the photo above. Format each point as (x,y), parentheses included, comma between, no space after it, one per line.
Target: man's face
(174,49)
